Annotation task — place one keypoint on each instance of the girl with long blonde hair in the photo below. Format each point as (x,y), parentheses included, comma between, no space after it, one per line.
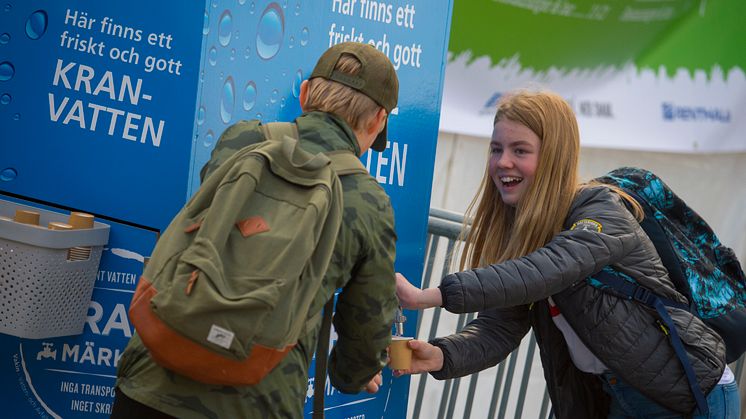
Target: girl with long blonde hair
(536,239)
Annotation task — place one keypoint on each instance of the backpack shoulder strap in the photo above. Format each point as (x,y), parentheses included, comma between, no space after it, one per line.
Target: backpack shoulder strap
(346,163)
(275,131)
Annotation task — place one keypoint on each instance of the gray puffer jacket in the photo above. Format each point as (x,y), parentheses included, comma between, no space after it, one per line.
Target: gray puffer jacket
(625,335)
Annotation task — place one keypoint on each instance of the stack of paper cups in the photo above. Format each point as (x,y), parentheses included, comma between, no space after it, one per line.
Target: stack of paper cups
(79,220)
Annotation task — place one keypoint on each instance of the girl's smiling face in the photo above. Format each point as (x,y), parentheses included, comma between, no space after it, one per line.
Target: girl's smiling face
(514,157)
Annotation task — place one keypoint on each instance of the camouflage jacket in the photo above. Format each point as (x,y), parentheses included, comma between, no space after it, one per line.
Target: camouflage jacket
(362,266)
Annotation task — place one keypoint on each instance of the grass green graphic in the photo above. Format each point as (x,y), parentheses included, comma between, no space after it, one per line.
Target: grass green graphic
(590,34)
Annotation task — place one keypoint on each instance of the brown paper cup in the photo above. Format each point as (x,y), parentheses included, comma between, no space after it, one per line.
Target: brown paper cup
(400,353)
(80,220)
(54,225)
(27,217)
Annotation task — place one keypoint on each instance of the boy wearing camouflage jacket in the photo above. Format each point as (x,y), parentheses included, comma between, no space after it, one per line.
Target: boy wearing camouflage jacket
(346,102)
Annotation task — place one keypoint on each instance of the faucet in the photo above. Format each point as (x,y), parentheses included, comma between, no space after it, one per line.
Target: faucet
(399,319)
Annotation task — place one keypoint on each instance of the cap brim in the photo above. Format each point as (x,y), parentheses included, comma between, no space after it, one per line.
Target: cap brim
(379,144)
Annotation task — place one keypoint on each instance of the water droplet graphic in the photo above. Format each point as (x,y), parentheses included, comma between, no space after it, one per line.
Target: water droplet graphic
(36,24)
(7,71)
(5,99)
(225,25)
(228,100)
(233,54)
(214,4)
(201,115)
(291,42)
(259,116)
(220,76)
(8,6)
(247,53)
(275,95)
(209,137)
(235,34)
(297,8)
(213,56)
(270,32)
(17,117)
(282,102)
(241,2)
(284,4)
(297,80)
(4,38)
(304,35)
(206,24)
(8,174)
(249,96)
(251,8)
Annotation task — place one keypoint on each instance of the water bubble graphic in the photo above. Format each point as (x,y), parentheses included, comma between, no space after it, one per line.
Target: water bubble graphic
(225,25)
(233,54)
(304,35)
(259,116)
(16,117)
(247,53)
(282,102)
(235,34)
(249,96)
(5,99)
(270,32)
(7,71)
(297,80)
(4,38)
(214,4)
(201,115)
(213,56)
(241,2)
(206,24)
(297,8)
(209,137)
(284,4)
(251,8)
(275,95)
(36,25)
(8,6)
(291,42)
(8,174)
(228,100)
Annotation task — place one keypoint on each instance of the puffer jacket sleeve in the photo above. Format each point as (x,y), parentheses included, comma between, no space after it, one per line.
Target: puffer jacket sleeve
(569,257)
(483,343)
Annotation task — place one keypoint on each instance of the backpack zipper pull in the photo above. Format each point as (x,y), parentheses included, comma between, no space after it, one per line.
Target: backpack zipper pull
(192,280)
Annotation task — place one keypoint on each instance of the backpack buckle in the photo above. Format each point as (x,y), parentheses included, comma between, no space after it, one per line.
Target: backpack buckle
(642,295)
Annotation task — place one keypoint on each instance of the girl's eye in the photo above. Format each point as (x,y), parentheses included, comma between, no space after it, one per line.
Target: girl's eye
(520,151)
(495,150)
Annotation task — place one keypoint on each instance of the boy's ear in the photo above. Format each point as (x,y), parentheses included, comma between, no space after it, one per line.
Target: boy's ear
(303,95)
(376,124)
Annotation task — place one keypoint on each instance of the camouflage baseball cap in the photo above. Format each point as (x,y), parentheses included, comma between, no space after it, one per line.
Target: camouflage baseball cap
(376,78)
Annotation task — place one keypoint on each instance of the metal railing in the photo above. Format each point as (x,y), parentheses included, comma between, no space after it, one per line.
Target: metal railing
(515,387)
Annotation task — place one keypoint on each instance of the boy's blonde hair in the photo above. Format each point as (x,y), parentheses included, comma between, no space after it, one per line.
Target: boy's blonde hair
(329,96)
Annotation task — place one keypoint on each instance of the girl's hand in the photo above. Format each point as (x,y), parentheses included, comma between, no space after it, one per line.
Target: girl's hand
(413,298)
(425,358)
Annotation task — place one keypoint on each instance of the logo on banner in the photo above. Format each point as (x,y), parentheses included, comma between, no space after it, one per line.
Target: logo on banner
(672,112)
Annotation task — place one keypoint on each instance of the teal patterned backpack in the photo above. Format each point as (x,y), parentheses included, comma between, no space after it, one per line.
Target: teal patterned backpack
(701,268)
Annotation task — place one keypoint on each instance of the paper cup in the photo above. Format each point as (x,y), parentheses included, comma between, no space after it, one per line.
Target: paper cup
(400,353)
(54,225)
(80,220)
(27,217)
